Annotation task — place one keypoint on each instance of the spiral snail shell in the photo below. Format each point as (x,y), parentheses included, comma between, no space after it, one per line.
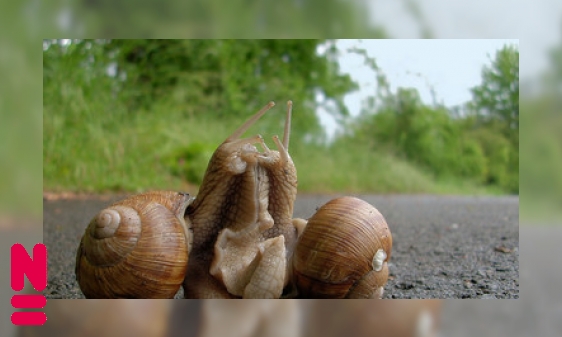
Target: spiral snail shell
(136,248)
(343,252)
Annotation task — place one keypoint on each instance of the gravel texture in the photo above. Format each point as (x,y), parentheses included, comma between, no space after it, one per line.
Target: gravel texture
(443,246)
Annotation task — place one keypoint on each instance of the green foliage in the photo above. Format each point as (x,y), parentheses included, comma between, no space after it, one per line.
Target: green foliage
(496,104)
(496,100)
(481,145)
(541,123)
(499,155)
(427,136)
(351,165)
(234,18)
(20,129)
(138,114)
(118,108)
(541,181)
(190,162)
(211,78)
(445,146)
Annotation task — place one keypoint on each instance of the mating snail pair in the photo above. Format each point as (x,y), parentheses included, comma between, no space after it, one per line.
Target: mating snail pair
(237,238)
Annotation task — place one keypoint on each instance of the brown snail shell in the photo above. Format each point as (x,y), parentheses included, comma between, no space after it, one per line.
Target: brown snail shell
(343,252)
(136,248)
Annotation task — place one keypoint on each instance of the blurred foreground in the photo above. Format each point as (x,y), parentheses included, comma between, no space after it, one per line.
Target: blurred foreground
(267,318)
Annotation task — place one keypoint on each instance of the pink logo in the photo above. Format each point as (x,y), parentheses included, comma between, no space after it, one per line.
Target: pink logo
(36,271)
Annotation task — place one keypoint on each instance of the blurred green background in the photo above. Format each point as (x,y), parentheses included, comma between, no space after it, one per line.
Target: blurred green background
(131,115)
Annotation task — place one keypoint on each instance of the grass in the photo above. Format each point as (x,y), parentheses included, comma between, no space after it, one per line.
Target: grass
(356,169)
(87,151)
(120,156)
(93,143)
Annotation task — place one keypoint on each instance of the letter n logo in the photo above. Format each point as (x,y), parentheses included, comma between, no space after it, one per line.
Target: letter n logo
(36,271)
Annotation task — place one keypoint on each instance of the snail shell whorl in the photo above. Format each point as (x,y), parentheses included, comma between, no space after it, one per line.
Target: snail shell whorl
(136,248)
(112,234)
(343,251)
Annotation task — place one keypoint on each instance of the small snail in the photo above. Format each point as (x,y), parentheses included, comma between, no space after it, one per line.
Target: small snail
(136,248)
(343,252)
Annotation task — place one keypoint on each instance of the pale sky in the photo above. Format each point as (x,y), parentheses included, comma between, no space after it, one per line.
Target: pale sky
(451,67)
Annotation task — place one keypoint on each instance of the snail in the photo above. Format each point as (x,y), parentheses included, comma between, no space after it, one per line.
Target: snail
(233,214)
(343,252)
(136,248)
(241,237)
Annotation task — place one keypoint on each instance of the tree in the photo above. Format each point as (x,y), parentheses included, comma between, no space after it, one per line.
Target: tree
(496,106)
(206,78)
(496,100)
(219,77)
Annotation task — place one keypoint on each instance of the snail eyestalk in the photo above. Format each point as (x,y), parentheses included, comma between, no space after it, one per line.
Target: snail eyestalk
(287,132)
(282,150)
(238,133)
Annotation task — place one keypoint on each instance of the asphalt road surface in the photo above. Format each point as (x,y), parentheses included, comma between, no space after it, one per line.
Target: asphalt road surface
(443,247)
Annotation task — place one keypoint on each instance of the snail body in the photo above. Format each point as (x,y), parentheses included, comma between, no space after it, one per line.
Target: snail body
(229,217)
(242,257)
(282,180)
(136,248)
